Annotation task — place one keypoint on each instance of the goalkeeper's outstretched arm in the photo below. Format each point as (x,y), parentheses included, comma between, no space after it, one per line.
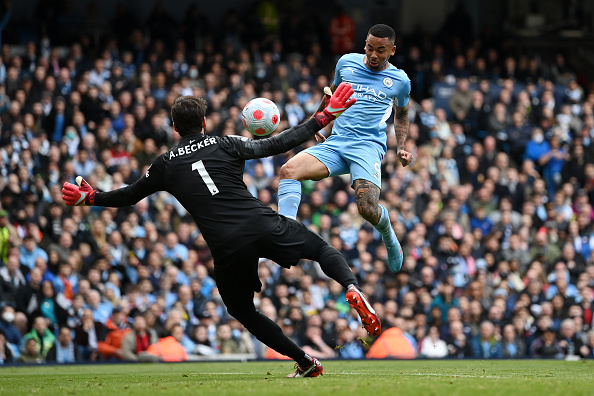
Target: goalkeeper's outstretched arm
(286,140)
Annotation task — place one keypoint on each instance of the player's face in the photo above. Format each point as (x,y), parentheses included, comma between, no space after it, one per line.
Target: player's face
(378,51)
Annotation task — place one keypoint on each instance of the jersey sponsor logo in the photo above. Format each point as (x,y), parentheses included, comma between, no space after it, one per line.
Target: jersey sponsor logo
(388,82)
(191,148)
(366,92)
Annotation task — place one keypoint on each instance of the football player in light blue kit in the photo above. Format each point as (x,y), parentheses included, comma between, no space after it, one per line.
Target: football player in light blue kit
(357,144)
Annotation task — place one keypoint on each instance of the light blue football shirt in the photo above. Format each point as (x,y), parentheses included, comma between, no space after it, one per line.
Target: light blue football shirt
(376,92)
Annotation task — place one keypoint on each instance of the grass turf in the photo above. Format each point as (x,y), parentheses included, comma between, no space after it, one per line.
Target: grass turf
(444,377)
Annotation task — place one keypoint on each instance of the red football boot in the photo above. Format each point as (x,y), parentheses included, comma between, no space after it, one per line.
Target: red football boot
(313,370)
(369,318)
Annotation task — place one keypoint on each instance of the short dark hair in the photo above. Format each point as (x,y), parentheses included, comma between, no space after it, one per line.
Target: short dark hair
(187,114)
(380,30)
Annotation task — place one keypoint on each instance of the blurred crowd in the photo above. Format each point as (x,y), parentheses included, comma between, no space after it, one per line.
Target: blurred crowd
(494,215)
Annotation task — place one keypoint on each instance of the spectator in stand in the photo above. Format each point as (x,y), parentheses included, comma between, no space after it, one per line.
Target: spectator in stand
(63,351)
(117,328)
(461,100)
(136,343)
(432,346)
(349,346)
(457,343)
(31,353)
(342,33)
(571,344)
(101,310)
(87,336)
(552,162)
(28,297)
(170,349)
(519,133)
(546,346)
(53,306)
(11,333)
(30,252)
(485,345)
(512,345)
(6,355)
(43,337)
(12,280)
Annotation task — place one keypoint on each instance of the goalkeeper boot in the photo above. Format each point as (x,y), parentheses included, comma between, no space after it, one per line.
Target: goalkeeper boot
(313,370)
(370,320)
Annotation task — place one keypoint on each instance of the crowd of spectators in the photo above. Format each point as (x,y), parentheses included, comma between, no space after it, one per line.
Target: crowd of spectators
(494,215)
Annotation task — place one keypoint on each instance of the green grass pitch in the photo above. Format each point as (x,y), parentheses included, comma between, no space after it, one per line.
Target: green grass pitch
(369,378)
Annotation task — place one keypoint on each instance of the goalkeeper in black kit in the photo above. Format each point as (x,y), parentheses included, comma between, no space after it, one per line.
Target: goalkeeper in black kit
(205,174)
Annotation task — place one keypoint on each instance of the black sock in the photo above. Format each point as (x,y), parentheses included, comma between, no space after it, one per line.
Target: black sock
(335,266)
(305,361)
(269,333)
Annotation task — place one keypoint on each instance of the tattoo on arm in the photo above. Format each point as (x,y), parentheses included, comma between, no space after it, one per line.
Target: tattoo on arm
(401,122)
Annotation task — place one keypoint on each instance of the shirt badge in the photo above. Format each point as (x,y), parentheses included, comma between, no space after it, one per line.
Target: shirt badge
(388,82)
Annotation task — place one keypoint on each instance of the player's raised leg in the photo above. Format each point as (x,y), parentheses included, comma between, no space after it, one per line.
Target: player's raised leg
(301,167)
(367,196)
(335,266)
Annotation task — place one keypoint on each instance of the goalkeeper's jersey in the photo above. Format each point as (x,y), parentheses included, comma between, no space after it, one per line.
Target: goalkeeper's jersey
(205,174)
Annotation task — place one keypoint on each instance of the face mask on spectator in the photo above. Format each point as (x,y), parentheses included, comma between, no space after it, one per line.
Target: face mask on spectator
(8,317)
(193,73)
(538,138)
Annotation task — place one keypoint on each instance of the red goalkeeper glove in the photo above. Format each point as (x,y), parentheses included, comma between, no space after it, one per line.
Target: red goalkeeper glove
(336,105)
(81,195)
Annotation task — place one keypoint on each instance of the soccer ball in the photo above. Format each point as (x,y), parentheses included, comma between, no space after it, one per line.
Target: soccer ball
(260,116)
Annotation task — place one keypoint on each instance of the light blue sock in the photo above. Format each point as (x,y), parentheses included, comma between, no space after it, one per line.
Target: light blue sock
(289,197)
(384,227)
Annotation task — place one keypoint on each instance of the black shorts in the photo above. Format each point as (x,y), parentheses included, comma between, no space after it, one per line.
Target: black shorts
(289,242)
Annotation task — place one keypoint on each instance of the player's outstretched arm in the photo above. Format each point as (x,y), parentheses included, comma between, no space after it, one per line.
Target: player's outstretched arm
(82,194)
(286,140)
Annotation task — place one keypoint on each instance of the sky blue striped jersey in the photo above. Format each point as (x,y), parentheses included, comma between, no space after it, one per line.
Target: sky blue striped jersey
(376,92)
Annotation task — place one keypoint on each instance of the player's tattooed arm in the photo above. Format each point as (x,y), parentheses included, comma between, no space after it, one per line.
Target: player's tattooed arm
(367,196)
(401,123)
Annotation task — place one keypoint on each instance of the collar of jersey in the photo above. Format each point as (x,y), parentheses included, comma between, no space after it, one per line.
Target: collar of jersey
(195,135)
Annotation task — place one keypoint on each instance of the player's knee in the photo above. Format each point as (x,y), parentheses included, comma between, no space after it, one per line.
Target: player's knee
(369,211)
(288,171)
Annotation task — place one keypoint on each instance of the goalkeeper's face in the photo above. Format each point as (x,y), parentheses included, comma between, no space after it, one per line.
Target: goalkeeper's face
(377,52)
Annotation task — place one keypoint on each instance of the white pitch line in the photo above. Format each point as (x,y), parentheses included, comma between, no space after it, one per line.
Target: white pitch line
(382,374)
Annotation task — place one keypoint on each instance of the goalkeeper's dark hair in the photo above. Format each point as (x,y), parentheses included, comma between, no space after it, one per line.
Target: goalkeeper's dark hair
(187,114)
(380,30)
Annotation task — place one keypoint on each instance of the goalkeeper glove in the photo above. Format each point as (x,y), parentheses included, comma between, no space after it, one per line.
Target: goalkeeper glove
(81,195)
(335,104)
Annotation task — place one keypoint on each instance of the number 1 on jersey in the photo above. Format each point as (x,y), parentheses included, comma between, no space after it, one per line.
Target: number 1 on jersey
(199,166)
